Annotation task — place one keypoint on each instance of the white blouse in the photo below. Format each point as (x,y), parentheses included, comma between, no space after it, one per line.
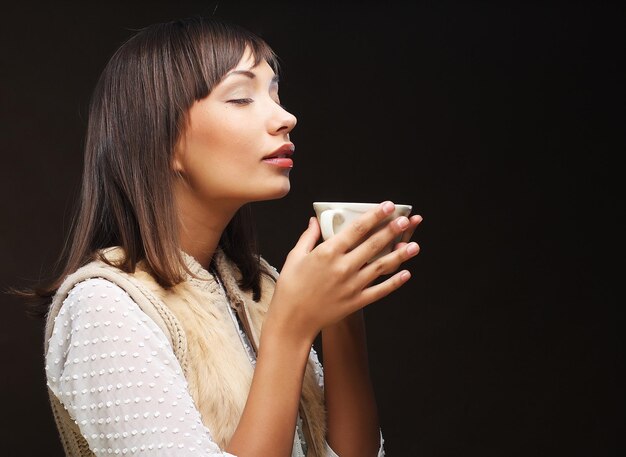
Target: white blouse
(115,372)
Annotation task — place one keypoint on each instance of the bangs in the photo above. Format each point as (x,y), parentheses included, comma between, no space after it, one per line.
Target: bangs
(205,51)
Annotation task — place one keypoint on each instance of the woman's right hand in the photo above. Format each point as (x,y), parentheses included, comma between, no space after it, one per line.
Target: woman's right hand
(320,285)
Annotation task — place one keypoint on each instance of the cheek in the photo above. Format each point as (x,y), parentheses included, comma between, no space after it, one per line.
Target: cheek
(222,149)
(225,135)
(206,132)
(221,160)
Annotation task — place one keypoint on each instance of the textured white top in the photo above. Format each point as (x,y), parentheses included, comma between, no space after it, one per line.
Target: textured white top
(115,372)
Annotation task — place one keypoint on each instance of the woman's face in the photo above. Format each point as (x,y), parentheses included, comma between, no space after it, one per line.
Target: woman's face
(223,152)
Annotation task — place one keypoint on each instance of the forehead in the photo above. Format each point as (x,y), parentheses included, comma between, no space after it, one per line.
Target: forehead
(247,63)
(247,60)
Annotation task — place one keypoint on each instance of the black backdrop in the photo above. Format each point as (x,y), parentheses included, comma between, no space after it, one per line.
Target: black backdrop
(501,122)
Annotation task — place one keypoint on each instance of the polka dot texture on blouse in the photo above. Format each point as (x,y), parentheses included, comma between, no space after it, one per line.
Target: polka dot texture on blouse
(115,372)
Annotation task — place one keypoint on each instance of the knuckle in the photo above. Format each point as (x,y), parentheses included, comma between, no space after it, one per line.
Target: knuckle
(325,251)
(360,228)
(376,244)
(351,290)
(341,269)
(379,267)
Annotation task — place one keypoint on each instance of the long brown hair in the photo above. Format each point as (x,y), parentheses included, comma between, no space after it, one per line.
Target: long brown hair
(137,114)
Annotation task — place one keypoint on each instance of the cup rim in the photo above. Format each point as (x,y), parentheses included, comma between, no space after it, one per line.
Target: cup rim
(361,204)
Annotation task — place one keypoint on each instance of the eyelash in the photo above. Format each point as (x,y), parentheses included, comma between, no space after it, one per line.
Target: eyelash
(247,101)
(241,101)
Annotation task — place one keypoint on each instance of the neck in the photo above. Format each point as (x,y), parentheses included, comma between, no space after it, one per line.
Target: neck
(200,227)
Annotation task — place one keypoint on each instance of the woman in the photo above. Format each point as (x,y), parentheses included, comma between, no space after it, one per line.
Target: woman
(153,338)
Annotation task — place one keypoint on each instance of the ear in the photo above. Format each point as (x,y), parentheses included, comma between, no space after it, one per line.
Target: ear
(178,157)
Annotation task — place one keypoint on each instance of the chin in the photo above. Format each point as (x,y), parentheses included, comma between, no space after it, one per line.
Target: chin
(283,192)
(277,193)
(283,187)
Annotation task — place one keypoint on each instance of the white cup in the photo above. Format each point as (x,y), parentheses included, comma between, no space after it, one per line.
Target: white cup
(333,216)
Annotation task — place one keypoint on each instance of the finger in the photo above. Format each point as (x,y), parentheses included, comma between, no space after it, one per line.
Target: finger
(307,241)
(389,263)
(353,234)
(378,241)
(378,291)
(414,221)
(400,245)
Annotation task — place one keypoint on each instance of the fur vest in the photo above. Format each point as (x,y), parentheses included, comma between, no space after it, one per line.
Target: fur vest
(195,318)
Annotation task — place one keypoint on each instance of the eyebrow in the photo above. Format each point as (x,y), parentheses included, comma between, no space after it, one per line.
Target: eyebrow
(249,74)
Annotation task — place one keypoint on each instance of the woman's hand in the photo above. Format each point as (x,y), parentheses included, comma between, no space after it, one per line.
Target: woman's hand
(320,285)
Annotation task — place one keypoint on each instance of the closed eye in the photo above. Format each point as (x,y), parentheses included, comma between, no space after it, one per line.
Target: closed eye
(240,101)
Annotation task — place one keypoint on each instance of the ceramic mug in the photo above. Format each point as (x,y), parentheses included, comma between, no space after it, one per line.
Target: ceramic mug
(333,216)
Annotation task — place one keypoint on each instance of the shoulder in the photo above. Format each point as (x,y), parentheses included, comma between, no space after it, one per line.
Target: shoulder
(98,306)
(95,287)
(99,301)
(97,277)
(92,283)
(93,308)
(97,268)
(95,274)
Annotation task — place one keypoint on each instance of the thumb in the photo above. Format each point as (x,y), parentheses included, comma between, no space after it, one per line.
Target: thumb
(307,241)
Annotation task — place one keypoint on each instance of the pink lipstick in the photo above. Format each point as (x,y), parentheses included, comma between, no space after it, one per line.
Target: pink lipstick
(281,157)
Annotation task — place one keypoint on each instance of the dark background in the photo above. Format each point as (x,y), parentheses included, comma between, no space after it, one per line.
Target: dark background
(500,122)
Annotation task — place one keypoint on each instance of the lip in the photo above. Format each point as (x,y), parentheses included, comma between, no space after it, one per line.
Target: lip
(285,151)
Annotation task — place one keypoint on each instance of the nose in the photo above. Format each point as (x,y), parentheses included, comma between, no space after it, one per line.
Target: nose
(283,121)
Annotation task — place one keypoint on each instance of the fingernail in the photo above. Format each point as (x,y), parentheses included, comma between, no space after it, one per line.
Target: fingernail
(412,248)
(311,221)
(405,275)
(402,222)
(388,207)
